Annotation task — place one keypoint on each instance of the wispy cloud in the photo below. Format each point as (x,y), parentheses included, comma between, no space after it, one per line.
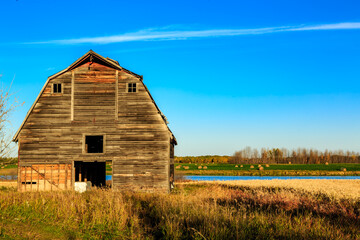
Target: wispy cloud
(164,34)
(50,68)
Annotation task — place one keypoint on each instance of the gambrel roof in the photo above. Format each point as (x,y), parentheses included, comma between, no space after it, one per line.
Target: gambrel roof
(92,56)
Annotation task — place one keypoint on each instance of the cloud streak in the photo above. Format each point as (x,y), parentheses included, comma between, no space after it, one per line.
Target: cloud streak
(166,35)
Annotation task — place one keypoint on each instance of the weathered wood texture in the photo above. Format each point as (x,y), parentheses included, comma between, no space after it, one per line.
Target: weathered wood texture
(42,177)
(172,168)
(137,139)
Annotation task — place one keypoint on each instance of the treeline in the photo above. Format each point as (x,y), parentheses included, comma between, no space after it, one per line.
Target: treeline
(276,155)
(203,159)
(299,156)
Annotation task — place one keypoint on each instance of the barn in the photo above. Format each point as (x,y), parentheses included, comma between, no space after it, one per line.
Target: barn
(91,119)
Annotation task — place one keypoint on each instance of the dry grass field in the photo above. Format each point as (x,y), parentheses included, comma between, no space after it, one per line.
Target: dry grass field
(232,210)
(8,184)
(336,189)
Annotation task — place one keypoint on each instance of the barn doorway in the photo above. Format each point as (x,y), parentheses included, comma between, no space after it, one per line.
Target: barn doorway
(91,172)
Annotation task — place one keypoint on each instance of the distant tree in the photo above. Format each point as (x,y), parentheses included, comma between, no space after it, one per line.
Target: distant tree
(238,157)
(247,152)
(8,103)
(294,156)
(255,154)
(264,155)
(278,155)
(299,156)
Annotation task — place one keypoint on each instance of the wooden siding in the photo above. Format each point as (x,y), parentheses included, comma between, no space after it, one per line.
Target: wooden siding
(137,139)
(42,177)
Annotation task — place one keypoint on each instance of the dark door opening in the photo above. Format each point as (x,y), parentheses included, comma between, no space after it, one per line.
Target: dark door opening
(95,172)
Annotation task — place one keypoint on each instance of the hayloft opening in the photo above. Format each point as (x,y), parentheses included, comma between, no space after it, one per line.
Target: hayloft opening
(57,88)
(94,144)
(131,87)
(93,173)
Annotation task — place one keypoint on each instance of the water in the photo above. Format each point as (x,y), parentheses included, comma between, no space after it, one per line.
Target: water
(8,177)
(232,178)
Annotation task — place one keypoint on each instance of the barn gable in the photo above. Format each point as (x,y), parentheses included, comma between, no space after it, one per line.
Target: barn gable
(92,114)
(91,57)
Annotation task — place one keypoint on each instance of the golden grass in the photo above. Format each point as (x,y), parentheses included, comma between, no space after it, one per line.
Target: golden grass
(349,189)
(267,172)
(194,210)
(12,184)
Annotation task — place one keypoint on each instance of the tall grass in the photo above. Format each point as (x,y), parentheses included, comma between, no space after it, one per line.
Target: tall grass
(192,211)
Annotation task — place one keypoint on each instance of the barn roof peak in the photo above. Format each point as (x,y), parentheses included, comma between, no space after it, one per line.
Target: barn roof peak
(92,56)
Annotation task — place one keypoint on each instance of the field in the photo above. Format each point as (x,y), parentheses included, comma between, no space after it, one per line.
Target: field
(292,209)
(352,169)
(269,170)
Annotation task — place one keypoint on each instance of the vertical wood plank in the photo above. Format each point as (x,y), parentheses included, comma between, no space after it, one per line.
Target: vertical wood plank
(25,178)
(51,177)
(168,164)
(31,178)
(72,94)
(59,175)
(72,175)
(44,177)
(38,178)
(19,169)
(66,176)
(117,95)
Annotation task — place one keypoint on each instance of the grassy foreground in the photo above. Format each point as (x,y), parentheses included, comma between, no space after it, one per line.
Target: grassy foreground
(192,211)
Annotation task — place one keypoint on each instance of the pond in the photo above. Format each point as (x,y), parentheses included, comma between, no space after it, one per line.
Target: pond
(8,177)
(232,178)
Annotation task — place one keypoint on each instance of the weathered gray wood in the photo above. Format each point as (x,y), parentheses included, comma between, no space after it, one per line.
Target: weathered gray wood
(72,95)
(95,102)
(117,96)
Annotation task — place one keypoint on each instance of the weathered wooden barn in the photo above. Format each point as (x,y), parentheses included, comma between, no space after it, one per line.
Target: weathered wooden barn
(92,113)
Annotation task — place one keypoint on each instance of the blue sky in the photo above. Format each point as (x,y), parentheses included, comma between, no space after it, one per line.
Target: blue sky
(226,74)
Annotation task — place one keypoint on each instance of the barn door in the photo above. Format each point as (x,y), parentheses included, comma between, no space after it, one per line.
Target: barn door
(93,172)
(42,177)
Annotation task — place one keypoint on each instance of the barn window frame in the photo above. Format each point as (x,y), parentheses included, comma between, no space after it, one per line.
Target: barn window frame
(131,87)
(84,151)
(56,86)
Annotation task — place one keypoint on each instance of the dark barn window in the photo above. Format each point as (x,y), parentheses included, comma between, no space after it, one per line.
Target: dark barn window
(131,87)
(57,88)
(94,144)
